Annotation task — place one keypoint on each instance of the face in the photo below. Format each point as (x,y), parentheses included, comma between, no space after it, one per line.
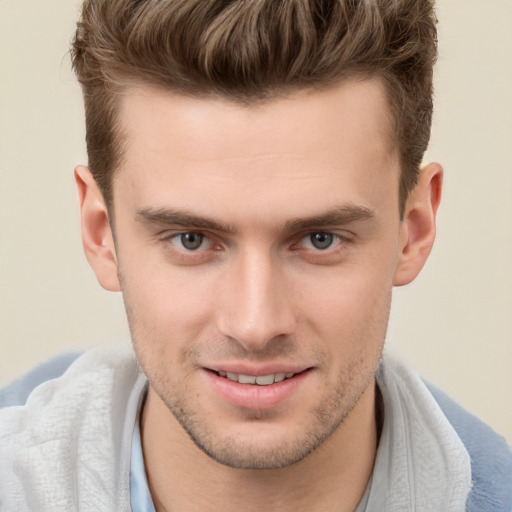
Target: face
(256,249)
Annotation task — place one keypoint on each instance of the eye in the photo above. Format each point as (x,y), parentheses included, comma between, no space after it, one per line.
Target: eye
(190,241)
(320,241)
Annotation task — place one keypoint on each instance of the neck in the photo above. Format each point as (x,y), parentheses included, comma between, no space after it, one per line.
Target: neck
(333,477)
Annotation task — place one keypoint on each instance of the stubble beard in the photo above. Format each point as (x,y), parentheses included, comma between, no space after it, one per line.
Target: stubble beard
(333,407)
(242,453)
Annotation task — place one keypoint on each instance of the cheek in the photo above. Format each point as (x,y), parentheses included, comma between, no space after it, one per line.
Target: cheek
(164,294)
(167,314)
(164,323)
(350,307)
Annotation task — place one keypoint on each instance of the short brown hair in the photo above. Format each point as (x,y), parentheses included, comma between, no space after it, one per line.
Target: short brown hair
(254,50)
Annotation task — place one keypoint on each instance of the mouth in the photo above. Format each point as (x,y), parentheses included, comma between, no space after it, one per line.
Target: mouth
(257,392)
(260,380)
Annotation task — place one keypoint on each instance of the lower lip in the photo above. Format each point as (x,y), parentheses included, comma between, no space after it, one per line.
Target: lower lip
(252,396)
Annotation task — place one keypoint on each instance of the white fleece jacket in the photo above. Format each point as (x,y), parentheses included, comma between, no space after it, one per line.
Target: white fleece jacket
(68,448)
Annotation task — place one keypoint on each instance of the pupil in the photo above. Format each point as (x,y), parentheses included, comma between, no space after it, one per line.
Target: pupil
(191,241)
(321,240)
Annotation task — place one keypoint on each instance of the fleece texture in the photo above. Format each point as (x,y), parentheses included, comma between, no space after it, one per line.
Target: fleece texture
(66,432)
(421,463)
(65,449)
(491,457)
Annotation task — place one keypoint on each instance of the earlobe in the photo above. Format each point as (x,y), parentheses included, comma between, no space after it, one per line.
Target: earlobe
(97,236)
(418,228)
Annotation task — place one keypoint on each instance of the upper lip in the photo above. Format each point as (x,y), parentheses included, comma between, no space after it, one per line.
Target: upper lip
(257,371)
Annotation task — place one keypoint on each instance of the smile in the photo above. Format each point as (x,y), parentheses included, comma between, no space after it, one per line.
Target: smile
(260,380)
(243,389)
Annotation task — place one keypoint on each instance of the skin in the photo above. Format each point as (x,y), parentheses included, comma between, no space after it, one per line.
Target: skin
(256,183)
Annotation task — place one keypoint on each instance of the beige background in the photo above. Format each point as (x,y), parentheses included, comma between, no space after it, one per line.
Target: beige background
(454,324)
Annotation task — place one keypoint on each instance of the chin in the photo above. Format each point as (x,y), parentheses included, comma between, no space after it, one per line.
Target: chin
(265,439)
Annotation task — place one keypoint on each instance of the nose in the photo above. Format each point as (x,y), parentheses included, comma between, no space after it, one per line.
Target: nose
(255,307)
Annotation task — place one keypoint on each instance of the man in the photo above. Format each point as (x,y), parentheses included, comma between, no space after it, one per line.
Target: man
(254,189)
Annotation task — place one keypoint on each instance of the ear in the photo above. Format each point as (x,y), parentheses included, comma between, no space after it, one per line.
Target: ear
(418,228)
(97,236)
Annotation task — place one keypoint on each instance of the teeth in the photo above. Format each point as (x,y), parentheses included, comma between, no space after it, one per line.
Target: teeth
(246,379)
(265,380)
(262,380)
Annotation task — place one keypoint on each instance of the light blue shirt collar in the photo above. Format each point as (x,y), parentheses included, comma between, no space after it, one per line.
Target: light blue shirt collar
(140,497)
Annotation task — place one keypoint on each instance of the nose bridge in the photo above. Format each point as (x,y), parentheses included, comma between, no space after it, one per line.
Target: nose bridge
(256,308)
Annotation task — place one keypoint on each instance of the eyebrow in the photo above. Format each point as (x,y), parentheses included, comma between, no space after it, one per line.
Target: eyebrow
(170,217)
(334,217)
(340,216)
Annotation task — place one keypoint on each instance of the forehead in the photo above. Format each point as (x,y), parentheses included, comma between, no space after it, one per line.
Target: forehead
(360,104)
(338,137)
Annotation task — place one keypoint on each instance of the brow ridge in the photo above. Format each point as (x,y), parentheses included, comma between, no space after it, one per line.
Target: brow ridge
(337,216)
(173,217)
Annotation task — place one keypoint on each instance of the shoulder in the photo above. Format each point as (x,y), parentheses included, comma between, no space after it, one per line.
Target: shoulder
(64,429)
(17,392)
(80,363)
(491,457)
(64,388)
